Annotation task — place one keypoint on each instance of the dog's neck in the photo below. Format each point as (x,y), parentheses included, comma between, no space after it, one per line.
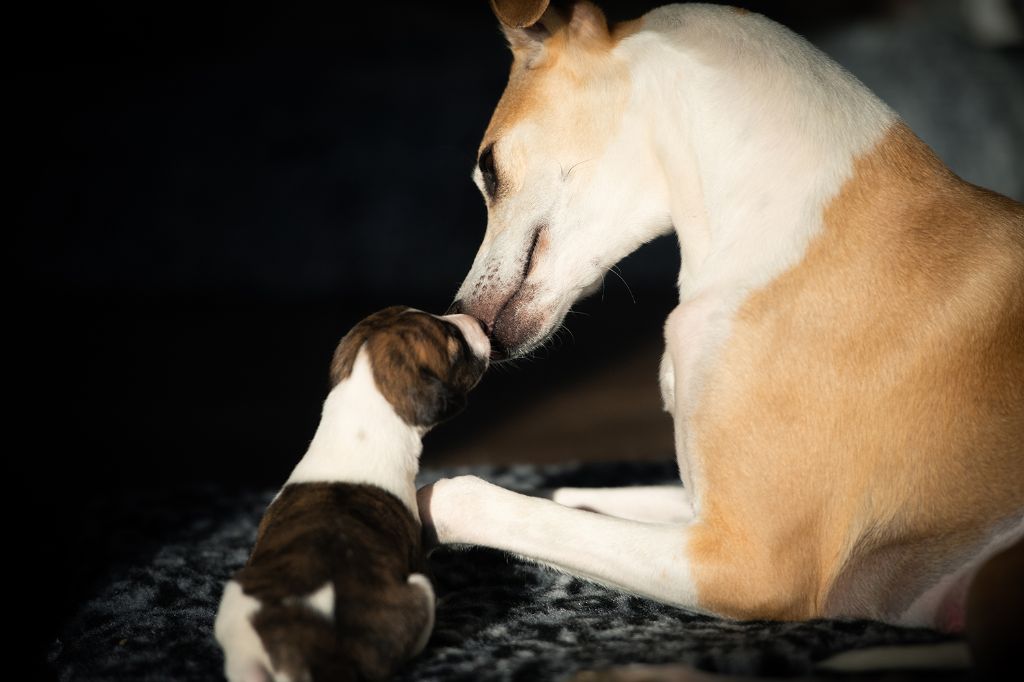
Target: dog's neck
(752,131)
(360,439)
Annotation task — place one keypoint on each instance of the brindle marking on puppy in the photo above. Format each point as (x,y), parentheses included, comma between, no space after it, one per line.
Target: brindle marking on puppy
(335,588)
(415,365)
(317,534)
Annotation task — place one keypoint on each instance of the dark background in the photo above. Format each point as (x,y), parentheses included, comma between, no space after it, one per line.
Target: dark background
(206,198)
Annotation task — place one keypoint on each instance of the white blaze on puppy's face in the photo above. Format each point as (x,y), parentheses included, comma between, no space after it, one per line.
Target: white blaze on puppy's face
(473,333)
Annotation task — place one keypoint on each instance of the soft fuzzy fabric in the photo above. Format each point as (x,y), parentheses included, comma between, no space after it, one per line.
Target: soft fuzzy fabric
(499,618)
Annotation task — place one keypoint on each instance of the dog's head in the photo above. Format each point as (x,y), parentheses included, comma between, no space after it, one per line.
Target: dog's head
(423,365)
(565,171)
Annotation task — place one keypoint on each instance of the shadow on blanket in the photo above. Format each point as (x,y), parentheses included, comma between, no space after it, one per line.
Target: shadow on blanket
(499,617)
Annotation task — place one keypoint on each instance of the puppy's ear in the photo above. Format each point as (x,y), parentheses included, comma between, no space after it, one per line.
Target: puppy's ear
(345,356)
(433,401)
(348,349)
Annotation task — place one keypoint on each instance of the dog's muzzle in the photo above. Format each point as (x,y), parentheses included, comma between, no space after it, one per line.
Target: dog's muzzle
(513,331)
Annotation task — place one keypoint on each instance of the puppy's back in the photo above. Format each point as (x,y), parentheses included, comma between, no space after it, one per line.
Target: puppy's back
(334,588)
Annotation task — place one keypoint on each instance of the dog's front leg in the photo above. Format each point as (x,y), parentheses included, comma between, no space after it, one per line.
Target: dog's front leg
(643,558)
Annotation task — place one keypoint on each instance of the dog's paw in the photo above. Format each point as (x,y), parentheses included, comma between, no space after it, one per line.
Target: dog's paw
(450,509)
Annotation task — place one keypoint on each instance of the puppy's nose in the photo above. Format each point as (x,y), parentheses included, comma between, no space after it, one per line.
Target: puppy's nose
(457,308)
(474,332)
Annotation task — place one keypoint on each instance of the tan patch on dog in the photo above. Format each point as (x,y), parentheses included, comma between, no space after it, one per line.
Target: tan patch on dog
(864,422)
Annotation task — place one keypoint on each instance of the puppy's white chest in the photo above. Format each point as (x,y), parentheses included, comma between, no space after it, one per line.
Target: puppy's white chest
(360,439)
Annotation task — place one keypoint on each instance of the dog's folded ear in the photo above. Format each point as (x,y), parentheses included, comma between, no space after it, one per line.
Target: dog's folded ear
(529,24)
(519,13)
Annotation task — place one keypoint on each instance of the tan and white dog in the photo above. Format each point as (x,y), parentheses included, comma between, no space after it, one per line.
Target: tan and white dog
(845,368)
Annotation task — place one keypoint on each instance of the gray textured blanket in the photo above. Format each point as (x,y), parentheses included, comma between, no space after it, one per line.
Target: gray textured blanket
(499,618)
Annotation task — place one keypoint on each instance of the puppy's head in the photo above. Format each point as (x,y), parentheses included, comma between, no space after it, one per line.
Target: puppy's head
(423,365)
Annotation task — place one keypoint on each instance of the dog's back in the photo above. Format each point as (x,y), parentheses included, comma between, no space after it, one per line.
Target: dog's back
(330,573)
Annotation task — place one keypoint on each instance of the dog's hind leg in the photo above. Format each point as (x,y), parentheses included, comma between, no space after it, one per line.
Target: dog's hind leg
(647,503)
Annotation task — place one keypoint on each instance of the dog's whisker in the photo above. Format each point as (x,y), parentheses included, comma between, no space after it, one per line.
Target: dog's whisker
(615,271)
(566,174)
(568,331)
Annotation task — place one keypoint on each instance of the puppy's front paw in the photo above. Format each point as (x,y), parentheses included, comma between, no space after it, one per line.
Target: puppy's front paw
(450,509)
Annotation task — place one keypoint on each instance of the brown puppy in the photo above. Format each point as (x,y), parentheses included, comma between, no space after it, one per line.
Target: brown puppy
(335,586)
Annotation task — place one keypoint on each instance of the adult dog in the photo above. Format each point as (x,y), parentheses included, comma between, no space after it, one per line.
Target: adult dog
(845,368)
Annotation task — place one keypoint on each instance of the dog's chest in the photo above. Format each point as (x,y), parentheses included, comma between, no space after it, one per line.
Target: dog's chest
(694,332)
